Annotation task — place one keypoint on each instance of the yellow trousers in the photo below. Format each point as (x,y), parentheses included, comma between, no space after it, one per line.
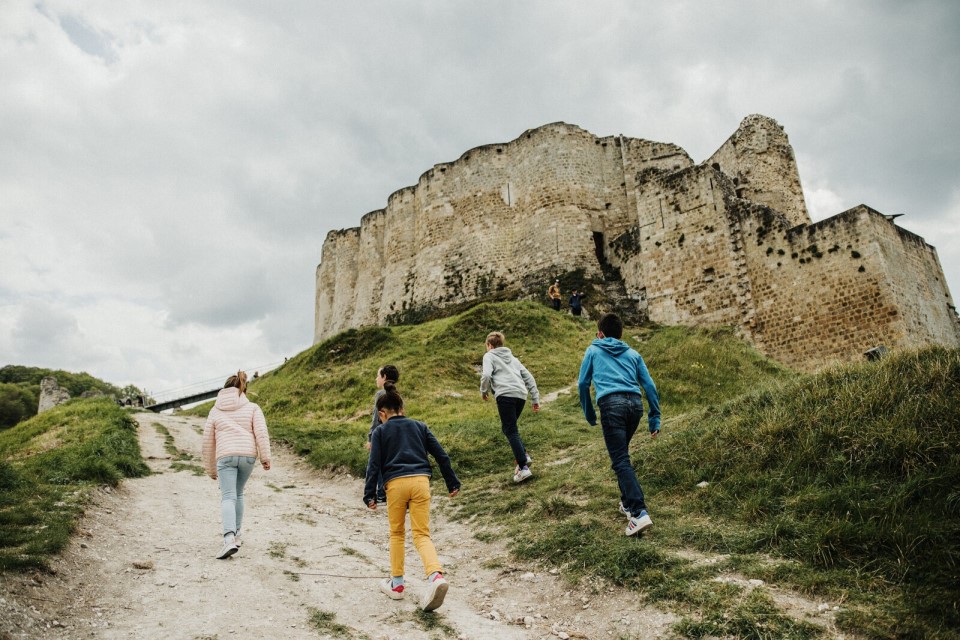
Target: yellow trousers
(410,493)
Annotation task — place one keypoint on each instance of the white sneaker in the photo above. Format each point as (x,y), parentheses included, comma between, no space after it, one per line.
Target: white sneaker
(638,524)
(435,593)
(522,475)
(237,541)
(395,593)
(624,511)
(516,469)
(227,550)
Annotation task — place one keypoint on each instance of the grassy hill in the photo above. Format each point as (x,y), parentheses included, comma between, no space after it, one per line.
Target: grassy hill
(842,485)
(49,464)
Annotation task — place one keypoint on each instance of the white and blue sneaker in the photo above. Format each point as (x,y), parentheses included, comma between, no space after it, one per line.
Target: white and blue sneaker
(638,524)
(624,511)
(516,469)
(522,474)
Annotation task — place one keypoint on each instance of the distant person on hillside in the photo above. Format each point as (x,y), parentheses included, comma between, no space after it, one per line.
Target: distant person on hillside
(576,307)
(506,377)
(398,451)
(554,294)
(618,374)
(386,373)
(234,436)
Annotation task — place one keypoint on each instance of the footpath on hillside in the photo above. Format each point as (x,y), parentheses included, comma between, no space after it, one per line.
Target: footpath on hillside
(142,566)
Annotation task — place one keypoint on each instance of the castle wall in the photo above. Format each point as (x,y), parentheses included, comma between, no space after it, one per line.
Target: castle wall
(830,291)
(686,266)
(760,161)
(807,295)
(917,284)
(505,217)
(725,242)
(335,279)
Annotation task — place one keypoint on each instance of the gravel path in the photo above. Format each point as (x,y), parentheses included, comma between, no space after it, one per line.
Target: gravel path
(142,566)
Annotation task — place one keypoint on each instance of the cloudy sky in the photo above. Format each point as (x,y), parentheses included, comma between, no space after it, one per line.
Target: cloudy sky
(169,170)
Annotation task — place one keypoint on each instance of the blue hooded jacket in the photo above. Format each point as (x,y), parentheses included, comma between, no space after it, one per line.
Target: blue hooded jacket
(613,367)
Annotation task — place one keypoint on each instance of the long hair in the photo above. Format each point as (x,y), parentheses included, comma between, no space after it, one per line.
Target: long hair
(238,380)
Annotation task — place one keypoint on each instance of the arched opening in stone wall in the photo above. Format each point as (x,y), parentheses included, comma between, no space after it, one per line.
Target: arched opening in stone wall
(599,247)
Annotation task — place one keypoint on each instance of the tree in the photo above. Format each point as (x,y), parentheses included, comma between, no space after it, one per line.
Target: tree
(17,402)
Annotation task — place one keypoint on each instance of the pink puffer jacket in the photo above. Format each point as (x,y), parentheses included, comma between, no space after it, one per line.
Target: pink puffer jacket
(235,427)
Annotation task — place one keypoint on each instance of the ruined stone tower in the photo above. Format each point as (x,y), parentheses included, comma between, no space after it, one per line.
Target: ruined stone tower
(725,242)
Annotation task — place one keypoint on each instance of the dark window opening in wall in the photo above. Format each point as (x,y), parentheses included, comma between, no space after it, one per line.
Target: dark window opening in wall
(598,246)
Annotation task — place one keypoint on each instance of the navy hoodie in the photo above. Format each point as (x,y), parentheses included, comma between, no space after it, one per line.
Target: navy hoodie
(399,448)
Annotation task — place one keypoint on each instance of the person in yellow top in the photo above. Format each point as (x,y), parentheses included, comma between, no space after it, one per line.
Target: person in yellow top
(554,294)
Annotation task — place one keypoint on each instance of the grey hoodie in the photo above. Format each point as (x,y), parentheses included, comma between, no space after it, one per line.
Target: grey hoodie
(506,376)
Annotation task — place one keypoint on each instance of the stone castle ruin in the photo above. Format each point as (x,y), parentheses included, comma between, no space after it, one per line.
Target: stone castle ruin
(51,394)
(648,232)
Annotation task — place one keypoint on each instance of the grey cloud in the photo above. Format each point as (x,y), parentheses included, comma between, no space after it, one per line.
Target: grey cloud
(47,335)
(200,170)
(87,39)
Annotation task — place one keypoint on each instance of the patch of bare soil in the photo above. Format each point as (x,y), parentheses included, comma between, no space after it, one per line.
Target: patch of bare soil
(143,566)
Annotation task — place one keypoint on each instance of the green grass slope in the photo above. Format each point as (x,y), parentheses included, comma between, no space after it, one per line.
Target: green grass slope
(841,485)
(48,464)
(856,469)
(320,401)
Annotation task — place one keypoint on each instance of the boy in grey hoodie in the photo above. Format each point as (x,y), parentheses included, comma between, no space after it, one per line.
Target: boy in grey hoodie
(509,380)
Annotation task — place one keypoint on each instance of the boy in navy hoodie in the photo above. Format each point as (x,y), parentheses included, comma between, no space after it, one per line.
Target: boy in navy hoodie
(398,453)
(618,374)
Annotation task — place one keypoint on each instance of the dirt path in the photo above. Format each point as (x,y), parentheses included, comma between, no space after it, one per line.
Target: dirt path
(143,567)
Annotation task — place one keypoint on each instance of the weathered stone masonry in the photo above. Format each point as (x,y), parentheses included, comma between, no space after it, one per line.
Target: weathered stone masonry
(725,242)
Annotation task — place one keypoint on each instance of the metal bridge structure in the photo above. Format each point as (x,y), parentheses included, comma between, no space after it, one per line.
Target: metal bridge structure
(199,391)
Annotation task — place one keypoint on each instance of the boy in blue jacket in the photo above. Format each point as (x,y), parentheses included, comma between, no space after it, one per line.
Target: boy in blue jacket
(618,374)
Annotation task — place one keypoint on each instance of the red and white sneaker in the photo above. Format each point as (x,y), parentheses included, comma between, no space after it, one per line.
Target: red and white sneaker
(395,592)
(435,593)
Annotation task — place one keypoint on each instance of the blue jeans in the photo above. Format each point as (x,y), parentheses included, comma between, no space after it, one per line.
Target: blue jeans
(620,414)
(233,473)
(510,410)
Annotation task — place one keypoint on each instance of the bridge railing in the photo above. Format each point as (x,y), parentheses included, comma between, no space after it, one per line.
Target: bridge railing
(199,391)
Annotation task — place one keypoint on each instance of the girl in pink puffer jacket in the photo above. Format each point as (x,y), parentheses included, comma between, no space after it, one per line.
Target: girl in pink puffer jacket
(234,436)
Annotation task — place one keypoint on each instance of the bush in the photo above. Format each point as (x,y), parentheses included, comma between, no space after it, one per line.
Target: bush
(17,402)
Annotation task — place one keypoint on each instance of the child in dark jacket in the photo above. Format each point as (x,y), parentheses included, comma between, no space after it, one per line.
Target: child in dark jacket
(386,373)
(398,450)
